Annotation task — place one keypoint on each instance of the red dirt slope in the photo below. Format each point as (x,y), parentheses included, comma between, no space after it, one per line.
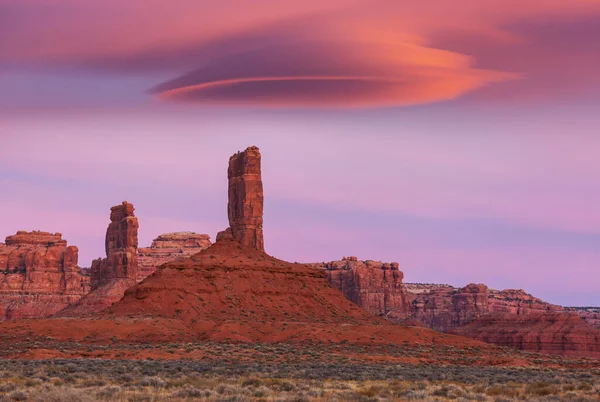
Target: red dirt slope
(228,292)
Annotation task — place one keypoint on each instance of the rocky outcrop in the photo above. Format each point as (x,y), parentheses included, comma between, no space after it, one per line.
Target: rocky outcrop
(245,205)
(591,315)
(112,275)
(444,308)
(169,247)
(554,333)
(518,302)
(373,285)
(121,247)
(38,275)
(510,317)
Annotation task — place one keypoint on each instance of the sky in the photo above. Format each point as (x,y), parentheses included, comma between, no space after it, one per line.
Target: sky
(459,139)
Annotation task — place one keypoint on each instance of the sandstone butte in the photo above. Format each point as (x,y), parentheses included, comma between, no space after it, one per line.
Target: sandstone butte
(373,285)
(230,291)
(38,275)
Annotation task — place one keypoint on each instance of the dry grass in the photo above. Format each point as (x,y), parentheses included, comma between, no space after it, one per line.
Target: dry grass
(127,380)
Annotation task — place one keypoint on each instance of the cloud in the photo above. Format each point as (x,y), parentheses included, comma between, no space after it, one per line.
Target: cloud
(305,72)
(314,53)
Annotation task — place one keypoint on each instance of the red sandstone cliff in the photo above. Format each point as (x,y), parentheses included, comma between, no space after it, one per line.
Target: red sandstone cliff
(112,275)
(555,333)
(373,285)
(169,247)
(509,317)
(245,205)
(38,275)
(443,308)
(591,315)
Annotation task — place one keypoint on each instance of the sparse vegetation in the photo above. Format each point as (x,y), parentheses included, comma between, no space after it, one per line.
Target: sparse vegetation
(66,380)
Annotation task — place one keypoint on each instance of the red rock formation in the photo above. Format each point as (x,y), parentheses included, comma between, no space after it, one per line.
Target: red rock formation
(121,247)
(444,308)
(38,275)
(231,293)
(245,206)
(518,302)
(169,247)
(112,275)
(591,315)
(373,285)
(555,333)
(509,317)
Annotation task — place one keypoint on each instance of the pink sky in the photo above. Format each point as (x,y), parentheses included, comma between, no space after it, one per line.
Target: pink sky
(457,138)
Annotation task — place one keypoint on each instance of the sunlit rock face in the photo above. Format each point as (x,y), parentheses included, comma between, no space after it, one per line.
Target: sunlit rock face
(38,275)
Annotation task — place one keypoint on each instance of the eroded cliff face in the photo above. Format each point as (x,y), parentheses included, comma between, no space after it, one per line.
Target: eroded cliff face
(558,333)
(591,315)
(245,205)
(112,275)
(169,247)
(38,275)
(518,302)
(444,307)
(373,285)
(121,247)
(510,317)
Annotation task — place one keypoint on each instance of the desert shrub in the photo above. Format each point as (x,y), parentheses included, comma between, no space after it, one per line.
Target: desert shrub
(18,395)
(287,386)
(541,389)
(62,394)
(9,386)
(108,392)
(251,382)
(190,392)
(155,382)
(261,392)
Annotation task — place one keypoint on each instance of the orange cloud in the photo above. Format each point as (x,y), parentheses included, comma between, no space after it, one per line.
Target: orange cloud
(309,52)
(304,72)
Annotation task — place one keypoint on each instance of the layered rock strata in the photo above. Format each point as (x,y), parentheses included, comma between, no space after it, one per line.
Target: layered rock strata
(373,285)
(245,199)
(112,275)
(591,315)
(38,275)
(554,333)
(444,308)
(169,247)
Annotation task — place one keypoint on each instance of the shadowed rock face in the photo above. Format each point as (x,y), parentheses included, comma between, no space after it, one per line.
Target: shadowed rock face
(169,247)
(373,285)
(38,275)
(112,275)
(121,247)
(245,205)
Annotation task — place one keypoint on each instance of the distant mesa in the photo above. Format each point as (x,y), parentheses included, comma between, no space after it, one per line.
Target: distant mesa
(39,275)
(169,247)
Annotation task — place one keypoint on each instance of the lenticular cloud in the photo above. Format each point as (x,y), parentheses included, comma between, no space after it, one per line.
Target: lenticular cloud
(334,73)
